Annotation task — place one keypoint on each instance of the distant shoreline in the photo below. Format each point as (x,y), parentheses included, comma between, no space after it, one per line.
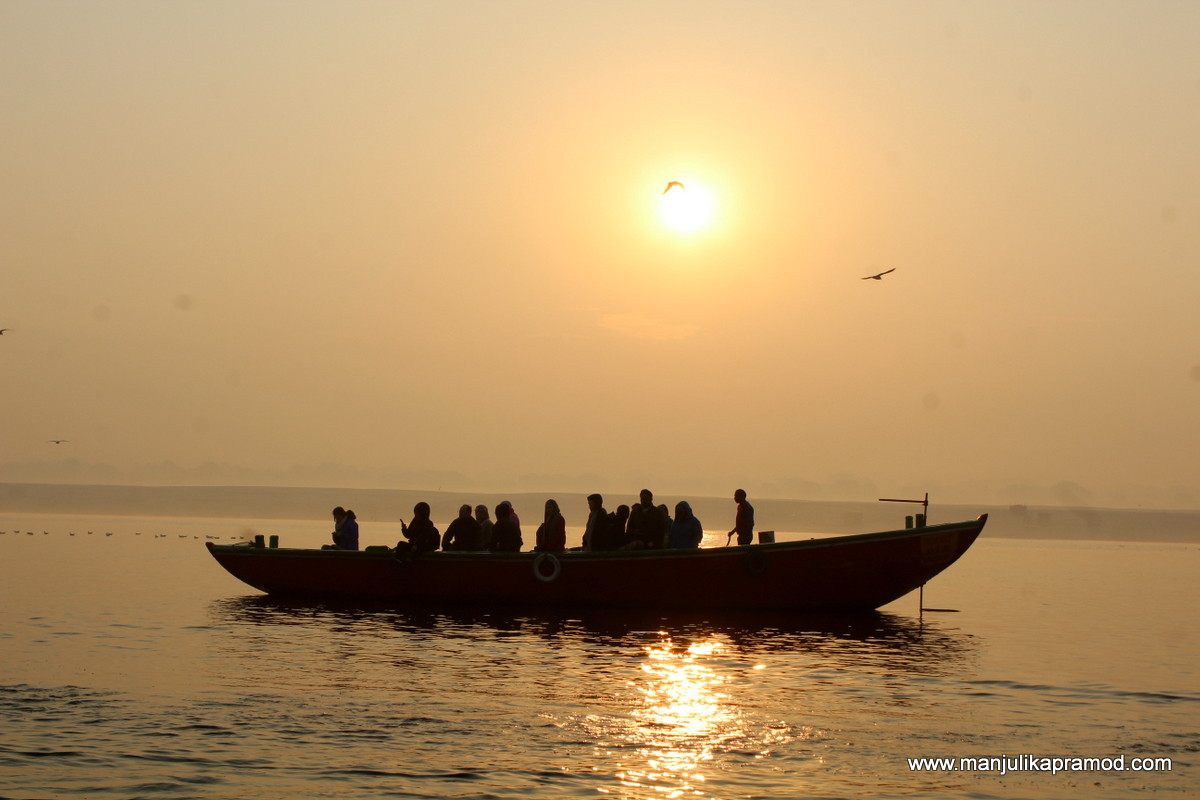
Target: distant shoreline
(276,502)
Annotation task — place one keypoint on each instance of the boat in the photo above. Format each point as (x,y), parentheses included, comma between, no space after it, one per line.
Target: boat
(841,573)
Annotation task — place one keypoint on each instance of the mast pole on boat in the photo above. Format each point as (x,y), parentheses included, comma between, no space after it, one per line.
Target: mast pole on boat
(922,522)
(924,506)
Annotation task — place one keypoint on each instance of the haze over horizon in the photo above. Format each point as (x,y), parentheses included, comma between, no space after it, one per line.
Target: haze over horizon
(370,242)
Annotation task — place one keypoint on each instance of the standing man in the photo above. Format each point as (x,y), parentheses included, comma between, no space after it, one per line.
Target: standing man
(743,524)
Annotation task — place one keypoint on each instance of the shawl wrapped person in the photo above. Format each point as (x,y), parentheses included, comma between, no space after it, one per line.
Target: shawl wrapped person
(485,527)
(345,530)
(686,531)
(506,533)
(552,533)
(597,520)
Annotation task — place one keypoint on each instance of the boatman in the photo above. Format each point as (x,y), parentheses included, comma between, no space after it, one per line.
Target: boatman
(743,523)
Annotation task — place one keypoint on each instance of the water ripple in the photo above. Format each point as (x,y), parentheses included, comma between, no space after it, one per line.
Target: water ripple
(225,697)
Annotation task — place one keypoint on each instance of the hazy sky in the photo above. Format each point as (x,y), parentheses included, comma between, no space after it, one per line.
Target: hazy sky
(429,235)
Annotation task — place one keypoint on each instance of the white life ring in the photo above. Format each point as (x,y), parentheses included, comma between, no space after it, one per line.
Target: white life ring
(555,567)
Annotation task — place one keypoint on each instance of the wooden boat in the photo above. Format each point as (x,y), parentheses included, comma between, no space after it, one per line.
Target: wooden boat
(860,572)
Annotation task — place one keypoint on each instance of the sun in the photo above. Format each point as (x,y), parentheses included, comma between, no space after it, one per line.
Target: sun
(687,207)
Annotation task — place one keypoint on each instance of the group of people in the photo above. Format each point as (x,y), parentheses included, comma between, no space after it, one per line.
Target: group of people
(646,526)
(475,530)
(642,526)
(472,529)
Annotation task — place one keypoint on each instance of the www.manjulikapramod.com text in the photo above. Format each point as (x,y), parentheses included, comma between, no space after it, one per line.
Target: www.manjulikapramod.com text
(1052,765)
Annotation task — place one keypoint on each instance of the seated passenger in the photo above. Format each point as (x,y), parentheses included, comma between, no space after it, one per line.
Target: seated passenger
(506,534)
(422,536)
(512,512)
(463,533)
(345,531)
(596,521)
(349,532)
(686,530)
(611,535)
(552,533)
(647,524)
(485,527)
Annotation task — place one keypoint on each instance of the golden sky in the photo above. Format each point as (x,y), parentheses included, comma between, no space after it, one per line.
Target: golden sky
(428,236)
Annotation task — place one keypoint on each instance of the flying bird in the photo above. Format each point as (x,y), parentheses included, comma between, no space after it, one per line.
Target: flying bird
(57,441)
(2,330)
(879,276)
(674,183)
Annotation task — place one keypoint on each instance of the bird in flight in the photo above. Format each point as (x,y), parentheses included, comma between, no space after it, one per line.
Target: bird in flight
(674,183)
(879,276)
(57,441)
(2,330)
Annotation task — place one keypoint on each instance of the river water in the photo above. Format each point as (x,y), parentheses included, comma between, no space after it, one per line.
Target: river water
(133,666)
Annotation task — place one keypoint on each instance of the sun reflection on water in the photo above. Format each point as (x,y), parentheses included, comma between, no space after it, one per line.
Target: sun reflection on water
(683,718)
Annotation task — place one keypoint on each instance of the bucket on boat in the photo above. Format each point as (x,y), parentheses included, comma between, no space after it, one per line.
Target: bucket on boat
(908,521)
(259,541)
(920,520)
(766,537)
(274,540)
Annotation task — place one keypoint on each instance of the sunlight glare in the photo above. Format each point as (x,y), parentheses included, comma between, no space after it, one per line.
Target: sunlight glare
(689,209)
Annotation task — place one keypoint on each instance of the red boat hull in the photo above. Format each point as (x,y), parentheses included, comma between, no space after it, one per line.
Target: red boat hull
(859,572)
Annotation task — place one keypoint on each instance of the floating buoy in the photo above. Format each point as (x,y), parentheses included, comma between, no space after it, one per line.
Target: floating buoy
(555,567)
